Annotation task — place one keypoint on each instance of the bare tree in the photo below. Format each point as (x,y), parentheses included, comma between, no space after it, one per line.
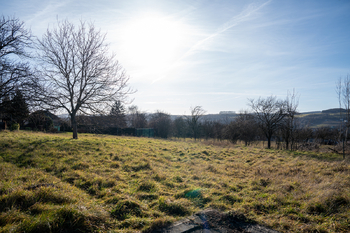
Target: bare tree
(343,92)
(14,38)
(14,73)
(193,120)
(288,126)
(77,73)
(269,113)
(136,118)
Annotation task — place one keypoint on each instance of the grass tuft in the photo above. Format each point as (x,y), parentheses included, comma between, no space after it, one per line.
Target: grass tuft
(147,186)
(125,209)
(175,208)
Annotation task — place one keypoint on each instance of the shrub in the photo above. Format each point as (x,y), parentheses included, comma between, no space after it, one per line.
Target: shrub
(14,127)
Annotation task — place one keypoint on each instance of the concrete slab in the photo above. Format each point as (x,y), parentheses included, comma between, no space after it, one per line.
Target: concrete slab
(213,221)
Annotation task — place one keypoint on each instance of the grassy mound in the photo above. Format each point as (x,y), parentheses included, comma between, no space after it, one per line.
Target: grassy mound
(121,184)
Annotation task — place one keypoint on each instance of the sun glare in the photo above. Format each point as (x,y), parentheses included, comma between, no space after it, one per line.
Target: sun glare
(153,42)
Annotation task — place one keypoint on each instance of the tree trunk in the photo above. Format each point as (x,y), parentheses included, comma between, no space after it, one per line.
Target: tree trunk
(269,142)
(74,126)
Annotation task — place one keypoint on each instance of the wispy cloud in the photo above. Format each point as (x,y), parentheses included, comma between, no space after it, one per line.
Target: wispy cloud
(245,15)
(51,8)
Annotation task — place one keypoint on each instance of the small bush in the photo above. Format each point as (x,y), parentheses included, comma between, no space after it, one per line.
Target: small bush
(14,127)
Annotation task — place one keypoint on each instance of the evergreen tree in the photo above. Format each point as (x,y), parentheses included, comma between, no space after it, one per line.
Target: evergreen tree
(19,109)
(117,114)
(118,109)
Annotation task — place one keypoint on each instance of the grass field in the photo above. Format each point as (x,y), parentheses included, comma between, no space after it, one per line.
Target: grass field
(50,182)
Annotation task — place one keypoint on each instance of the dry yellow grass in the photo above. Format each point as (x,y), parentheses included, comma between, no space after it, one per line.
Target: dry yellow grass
(127,184)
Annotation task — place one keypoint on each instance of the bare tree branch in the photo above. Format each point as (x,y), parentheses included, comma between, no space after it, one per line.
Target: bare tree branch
(15,74)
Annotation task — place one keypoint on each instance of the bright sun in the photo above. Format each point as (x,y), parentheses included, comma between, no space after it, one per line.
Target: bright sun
(152,42)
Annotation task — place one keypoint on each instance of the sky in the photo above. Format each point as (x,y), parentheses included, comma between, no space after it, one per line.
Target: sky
(213,53)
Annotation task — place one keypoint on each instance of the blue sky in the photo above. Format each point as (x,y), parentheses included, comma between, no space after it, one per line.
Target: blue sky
(215,54)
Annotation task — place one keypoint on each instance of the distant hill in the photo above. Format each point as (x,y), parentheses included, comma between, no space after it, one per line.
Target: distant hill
(334,110)
(324,118)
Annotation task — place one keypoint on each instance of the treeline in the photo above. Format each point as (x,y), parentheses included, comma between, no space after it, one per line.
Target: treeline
(270,119)
(276,124)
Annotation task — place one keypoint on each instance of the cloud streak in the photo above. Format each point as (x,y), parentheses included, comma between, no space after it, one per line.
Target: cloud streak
(245,15)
